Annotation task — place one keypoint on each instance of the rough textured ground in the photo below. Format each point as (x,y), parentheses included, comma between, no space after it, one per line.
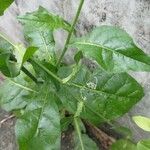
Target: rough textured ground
(132,15)
(7,138)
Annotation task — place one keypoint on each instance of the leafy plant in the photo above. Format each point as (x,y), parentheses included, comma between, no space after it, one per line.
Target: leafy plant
(39,88)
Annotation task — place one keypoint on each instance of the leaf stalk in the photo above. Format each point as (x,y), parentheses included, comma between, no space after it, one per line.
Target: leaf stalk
(46,70)
(29,74)
(78,132)
(70,33)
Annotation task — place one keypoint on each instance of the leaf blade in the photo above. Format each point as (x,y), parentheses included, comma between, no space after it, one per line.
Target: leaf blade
(18,89)
(39,127)
(108,95)
(113,49)
(123,145)
(142,122)
(143,145)
(4,5)
(38,30)
(12,56)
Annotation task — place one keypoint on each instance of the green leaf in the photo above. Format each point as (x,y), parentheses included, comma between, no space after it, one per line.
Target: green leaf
(39,127)
(142,122)
(81,140)
(143,145)
(88,143)
(123,145)
(13,93)
(105,96)
(38,30)
(45,76)
(43,19)
(18,90)
(7,67)
(65,122)
(78,56)
(75,69)
(113,49)
(11,57)
(4,4)
(29,53)
(79,134)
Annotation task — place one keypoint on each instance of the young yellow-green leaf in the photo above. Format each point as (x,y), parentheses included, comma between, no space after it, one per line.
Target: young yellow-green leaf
(38,30)
(105,96)
(123,145)
(143,145)
(4,4)
(113,49)
(142,122)
(39,126)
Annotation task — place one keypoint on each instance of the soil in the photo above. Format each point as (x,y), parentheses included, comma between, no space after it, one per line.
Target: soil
(7,135)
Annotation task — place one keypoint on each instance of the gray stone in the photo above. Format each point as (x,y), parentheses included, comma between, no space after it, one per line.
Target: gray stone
(131,15)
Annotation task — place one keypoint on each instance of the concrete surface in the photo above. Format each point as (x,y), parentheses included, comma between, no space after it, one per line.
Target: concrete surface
(132,15)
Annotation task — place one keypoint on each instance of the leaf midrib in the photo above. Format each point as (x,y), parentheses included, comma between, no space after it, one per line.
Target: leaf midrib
(45,45)
(22,86)
(37,20)
(41,113)
(103,47)
(99,115)
(99,91)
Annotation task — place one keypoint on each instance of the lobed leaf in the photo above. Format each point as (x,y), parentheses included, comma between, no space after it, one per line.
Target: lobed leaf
(39,126)
(38,30)
(113,49)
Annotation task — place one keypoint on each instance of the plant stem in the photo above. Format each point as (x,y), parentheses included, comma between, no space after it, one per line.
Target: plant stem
(30,75)
(71,31)
(46,70)
(78,132)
